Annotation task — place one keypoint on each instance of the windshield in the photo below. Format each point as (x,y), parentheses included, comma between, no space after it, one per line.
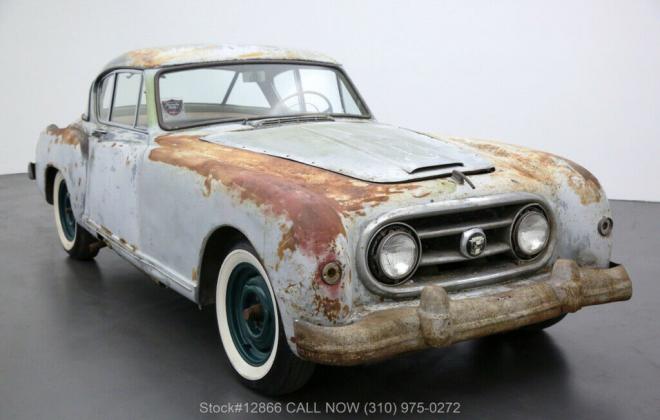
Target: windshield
(205,95)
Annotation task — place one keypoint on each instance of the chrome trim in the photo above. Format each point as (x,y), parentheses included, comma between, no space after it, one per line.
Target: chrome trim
(413,234)
(465,238)
(456,229)
(521,256)
(605,226)
(450,207)
(446,257)
(109,122)
(141,261)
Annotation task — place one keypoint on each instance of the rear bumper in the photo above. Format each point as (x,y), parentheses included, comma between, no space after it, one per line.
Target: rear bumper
(441,320)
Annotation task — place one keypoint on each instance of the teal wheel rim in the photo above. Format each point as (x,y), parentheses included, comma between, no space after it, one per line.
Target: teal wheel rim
(250,314)
(67,219)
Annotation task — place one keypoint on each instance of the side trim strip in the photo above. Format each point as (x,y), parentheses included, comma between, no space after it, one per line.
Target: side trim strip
(144,263)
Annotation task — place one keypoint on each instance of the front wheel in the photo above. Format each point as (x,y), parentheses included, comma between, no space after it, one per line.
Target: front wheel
(250,327)
(79,243)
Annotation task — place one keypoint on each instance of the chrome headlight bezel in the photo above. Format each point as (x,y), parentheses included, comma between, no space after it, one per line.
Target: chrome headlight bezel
(375,248)
(531,210)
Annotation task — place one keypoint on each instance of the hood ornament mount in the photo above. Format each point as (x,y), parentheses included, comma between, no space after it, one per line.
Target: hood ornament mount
(461,178)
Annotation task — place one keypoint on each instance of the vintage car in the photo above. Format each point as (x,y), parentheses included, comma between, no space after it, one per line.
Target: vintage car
(257,180)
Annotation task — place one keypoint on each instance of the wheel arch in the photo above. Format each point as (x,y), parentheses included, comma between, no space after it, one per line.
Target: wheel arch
(216,247)
(49,177)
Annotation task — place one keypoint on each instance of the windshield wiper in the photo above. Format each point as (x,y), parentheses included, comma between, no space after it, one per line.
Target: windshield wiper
(261,122)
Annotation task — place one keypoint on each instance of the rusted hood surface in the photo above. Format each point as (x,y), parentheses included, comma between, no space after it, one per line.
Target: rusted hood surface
(362,150)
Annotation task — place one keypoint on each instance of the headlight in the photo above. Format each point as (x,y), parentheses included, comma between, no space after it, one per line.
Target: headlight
(531,233)
(394,254)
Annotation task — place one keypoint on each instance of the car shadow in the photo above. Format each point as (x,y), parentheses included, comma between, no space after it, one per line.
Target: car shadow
(485,376)
(481,373)
(502,364)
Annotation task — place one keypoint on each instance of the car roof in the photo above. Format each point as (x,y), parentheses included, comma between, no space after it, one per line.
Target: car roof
(148,58)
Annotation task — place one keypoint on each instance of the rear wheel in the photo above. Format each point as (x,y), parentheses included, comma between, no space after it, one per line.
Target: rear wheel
(75,240)
(250,327)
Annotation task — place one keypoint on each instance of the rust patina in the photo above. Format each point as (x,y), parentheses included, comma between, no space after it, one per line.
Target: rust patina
(441,320)
(206,53)
(537,166)
(321,193)
(72,135)
(313,200)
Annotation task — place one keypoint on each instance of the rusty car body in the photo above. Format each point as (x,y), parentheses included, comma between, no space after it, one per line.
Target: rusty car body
(311,191)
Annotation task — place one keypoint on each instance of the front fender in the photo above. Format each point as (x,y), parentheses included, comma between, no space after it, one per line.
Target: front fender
(190,187)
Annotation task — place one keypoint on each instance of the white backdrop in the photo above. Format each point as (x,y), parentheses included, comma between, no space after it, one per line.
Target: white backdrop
(577,78)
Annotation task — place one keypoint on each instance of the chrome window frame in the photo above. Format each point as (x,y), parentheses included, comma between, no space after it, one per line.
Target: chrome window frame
(97,110)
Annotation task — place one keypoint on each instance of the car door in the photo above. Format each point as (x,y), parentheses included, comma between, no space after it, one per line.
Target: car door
(117,146)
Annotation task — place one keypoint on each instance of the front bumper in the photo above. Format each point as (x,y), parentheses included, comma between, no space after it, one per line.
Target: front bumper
(441,320)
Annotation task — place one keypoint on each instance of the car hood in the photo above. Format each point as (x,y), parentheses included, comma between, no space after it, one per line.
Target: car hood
(367,151)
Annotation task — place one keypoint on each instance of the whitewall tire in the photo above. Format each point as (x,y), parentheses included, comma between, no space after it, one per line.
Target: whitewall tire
(251,327)
(67,238)
(247,370)
(75,240)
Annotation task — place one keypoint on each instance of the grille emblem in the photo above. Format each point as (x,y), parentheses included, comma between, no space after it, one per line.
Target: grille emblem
(473,242)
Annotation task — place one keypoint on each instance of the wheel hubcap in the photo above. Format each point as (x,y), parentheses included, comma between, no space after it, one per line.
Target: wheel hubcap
(67,219)
(250,314)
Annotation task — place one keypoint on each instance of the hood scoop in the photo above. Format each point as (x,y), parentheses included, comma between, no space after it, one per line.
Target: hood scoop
(453,165)
(367,151)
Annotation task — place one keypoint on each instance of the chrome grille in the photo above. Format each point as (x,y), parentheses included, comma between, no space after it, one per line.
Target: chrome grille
(440,226)
(440,235)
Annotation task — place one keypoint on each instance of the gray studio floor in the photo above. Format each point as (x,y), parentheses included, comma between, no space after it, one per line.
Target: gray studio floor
(100,340)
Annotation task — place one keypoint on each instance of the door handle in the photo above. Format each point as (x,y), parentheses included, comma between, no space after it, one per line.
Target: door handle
(99,132)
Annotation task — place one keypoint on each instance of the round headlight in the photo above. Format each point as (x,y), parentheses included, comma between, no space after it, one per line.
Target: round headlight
(531,233)
(394,254)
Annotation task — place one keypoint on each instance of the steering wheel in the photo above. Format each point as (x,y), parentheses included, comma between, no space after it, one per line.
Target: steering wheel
(328,110)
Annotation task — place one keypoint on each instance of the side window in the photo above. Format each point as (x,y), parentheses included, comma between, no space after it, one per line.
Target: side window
(127,92)
(104,97)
